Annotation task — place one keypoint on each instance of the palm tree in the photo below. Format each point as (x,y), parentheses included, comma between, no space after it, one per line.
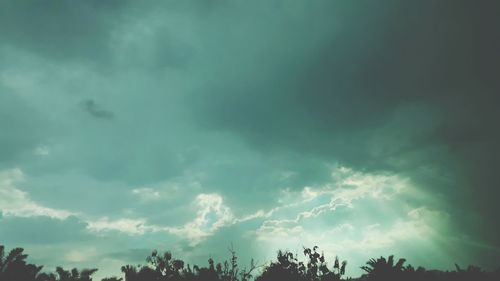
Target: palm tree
(75,274)
(384,269)
(130,272)
(14,266)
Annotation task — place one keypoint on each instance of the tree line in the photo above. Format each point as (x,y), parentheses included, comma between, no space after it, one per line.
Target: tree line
(287,267)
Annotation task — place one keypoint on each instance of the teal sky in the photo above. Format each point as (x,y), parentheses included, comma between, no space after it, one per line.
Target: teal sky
(367,128)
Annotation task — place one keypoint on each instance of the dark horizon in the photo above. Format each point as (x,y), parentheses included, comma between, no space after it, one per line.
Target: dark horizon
(310,265)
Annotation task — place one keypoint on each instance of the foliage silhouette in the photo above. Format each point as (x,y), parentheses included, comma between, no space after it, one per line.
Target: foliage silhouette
(288,267)
(384,269)
(75,274)
(13,266)
(164,267)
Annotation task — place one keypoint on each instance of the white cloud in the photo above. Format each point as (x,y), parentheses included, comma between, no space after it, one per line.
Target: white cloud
(351,185)
(146,193)
(212,214)
(256,215)
(41,150)
(348,187)
(125,225)
(309,194)
(15,202)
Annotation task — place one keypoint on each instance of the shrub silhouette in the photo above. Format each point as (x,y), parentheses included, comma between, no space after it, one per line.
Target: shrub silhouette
(384,269)
(287,266)
(162,266)
(13,266)
(67,275)
(75,274)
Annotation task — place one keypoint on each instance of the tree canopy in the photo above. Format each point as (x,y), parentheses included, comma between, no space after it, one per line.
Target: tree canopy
(311,266)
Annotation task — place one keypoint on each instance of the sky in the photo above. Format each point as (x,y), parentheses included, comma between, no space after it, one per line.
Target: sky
(366,128)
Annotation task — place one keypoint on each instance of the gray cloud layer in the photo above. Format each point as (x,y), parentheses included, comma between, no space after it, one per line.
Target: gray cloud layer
(249,100)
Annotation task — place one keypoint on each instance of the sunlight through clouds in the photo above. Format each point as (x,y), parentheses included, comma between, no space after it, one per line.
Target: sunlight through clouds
(212,214)
(187,125)
(349,193)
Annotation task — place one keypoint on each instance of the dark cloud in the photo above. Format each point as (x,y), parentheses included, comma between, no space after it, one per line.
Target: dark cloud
(93,109)
(277,91)
(363,73)
(78,30)
(105,34)
(402,87)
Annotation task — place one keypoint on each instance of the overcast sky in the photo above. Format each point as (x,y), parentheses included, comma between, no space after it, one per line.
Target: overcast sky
(367,128)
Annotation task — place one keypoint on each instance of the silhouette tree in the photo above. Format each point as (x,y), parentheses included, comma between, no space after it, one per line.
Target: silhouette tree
(74,274)
(204,273)
(317,268)
(144,273)
(412,274)
(384,269)
(130,272)
(246,274)
(288,267)
(163,267)
(14,266)
(46,277)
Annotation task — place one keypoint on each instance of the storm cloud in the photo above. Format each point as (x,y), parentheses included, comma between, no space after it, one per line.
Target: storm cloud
(184,125)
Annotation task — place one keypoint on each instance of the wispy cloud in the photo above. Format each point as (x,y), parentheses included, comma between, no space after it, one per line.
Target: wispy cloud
(344,191)
(146,193)
(15,202)
(124,225)
(41,150)
(212,214)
